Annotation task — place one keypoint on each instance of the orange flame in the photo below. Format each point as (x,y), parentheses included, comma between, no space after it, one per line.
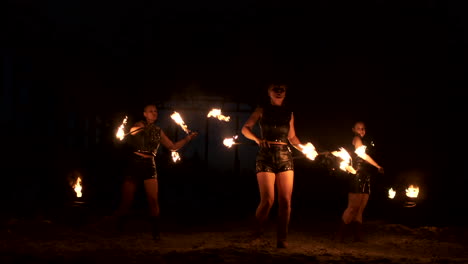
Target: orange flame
(217,114)
(77,187)
(178,119)
(228,142)
(120,132)
(346,159)
(175,156)
(391,193)
(412,191)
(309,150)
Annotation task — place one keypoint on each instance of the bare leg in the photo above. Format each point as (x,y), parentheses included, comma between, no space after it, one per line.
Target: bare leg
(266,185)
(151,189)
(284,183)
(128,194)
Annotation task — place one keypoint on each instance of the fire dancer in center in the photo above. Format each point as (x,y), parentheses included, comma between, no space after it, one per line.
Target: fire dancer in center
(145,139)
(274,161)
(359,183)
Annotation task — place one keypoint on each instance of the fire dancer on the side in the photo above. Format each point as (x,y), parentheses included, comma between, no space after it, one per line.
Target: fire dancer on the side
(359,183)
(144,140)
(274,161)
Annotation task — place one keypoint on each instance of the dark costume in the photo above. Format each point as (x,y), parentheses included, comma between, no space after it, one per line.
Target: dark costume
(274,126)
(140,168)
(360,182)
(146,141)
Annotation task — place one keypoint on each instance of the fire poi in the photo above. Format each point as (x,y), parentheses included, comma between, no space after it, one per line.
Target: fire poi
(120,132)
(215,112)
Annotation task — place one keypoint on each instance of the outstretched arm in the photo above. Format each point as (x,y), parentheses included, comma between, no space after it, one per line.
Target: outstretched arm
(169,144)
(357,142)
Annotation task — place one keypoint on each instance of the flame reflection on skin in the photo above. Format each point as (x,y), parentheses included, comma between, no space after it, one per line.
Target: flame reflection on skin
(217,114)
(120,132)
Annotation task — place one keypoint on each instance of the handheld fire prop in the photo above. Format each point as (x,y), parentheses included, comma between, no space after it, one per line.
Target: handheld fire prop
(217,114)
(345,163)
(309,150)
(120,132)
(178,119)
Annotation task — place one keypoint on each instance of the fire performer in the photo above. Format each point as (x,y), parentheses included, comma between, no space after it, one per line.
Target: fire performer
(145,139)
(274,161)
(359,183)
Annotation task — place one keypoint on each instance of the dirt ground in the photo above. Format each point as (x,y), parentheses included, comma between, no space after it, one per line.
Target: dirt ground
(81,239)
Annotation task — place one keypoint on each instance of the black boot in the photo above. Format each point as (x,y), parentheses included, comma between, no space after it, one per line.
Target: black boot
(155,228)
(357,232)
(341,233)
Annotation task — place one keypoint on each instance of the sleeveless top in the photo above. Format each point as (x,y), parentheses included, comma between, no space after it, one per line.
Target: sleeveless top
(148,140)
(274,123)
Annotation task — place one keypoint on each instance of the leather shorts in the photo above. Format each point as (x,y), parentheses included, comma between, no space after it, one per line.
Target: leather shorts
(275,158)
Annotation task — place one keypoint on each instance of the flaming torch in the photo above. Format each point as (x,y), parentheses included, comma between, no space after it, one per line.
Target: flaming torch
(346,159)
(178,119)
(228,142)
(77,187)
(120,132)
(309,150)
(391,193)
(175,156)
(217,114)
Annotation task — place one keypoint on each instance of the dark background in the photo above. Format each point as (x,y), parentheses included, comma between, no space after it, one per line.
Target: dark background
(73,69)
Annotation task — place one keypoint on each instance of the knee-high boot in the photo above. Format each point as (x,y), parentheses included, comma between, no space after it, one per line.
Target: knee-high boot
(357,232)
(155,227)
(341,232)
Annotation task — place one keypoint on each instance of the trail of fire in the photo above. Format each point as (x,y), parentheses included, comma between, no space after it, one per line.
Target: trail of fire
(215,112)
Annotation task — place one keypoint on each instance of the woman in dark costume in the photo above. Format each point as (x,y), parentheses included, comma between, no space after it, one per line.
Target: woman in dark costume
(274,162)
(144,141)
(359,184)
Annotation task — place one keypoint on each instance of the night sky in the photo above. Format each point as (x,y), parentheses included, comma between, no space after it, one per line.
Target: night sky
(398,65)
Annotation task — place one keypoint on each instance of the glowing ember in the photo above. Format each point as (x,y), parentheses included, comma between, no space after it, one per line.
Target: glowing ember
(77,187)
(228,142)
(175,156)
(346,159)
(391,193)
(412,191)
(217,114)
(361,151)
(309,150)
(178,119)
(120,132)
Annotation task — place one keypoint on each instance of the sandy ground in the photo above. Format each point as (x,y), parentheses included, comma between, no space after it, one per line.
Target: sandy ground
(80,239)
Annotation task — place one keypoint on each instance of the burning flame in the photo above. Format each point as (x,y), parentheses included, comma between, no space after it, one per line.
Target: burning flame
(309,150)
(412,191)
(77,187)
(391,193)
(217,113)
(178,119)
(346,159)
(175,156)
(228,142)
(120,132)
(361,151)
